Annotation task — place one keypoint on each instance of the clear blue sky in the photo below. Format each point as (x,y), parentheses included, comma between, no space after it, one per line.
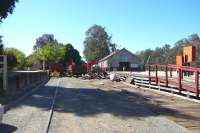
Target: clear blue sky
(133,24)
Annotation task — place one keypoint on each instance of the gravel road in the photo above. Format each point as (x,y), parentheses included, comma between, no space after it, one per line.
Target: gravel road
(83,108)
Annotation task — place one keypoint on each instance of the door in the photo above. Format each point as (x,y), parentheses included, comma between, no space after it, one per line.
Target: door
(124,66)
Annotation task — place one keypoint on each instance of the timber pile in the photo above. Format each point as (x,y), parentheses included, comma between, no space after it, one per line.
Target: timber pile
(118,77)
(95,75)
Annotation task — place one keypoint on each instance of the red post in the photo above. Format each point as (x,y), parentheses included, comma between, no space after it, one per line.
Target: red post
(166,75)
(197,83)
(179,79)
(156,68)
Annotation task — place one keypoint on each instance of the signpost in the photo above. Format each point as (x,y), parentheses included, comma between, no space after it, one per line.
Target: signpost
(3,70)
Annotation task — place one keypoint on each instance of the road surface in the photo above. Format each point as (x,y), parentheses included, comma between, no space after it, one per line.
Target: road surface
(81,107)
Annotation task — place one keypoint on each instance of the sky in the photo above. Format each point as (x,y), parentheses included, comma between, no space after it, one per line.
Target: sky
(133,24)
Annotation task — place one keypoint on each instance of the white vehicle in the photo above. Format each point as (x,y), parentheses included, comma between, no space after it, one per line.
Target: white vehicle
(1,113)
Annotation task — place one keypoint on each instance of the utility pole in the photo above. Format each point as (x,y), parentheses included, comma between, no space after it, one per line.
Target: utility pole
(148,60)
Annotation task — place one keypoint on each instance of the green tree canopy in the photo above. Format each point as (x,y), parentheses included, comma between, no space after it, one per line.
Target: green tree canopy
(1,45)
(6,8)
(71,54)
(44,40)
(51,53)
(20,57)
(31,59)
(97,43)
(167,54)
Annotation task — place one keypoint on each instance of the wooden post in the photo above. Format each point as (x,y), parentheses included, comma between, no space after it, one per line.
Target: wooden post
(197,83)
(5,72)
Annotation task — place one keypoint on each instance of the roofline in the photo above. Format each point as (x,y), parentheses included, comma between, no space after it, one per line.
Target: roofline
(109,56)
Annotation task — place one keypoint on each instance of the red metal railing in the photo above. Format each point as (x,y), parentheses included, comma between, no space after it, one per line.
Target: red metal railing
(178,80)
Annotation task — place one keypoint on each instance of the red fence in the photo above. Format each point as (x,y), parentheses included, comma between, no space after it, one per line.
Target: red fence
(177,80)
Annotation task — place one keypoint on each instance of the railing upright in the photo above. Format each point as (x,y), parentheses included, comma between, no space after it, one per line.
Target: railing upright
(197,83)
(166,75)
(149,74)
(156,69)
(179,79)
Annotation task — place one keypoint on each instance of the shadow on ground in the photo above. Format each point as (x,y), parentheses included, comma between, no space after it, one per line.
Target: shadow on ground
(92,101)
(4,128)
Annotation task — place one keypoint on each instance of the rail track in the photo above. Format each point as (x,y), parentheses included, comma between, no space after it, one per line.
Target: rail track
(32,112)
(52,107)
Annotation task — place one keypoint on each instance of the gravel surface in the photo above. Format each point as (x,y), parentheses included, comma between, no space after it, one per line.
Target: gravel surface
(31,114)
(83,108)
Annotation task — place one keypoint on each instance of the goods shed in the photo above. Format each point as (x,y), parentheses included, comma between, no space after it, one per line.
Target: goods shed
(120,60)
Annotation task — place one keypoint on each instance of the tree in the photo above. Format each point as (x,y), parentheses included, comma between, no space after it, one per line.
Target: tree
(97,43)
(6,8)
(76,56)
(1,45)
(145,56)
(20,57)
(51,53)
(44,40)
(71,54)
(31,59)
(113,47)
(167,55)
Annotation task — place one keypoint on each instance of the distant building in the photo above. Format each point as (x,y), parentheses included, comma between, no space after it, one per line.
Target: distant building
(120,60)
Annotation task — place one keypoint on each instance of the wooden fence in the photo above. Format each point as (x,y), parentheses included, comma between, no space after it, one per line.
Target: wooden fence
(179,79)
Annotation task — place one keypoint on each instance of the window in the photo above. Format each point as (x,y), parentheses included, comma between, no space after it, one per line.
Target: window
(124,58)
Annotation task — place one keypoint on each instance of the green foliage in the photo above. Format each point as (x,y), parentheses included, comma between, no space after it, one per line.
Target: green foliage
(6,7)
(97,43)
(44,40)
(51,53)
(48,49)
(167,55)
(1,46)
(31,59)
(16,58)
(113,47)
(71,54)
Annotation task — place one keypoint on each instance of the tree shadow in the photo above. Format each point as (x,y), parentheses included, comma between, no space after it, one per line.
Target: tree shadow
(5,128)
(90,101)
(86,102)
